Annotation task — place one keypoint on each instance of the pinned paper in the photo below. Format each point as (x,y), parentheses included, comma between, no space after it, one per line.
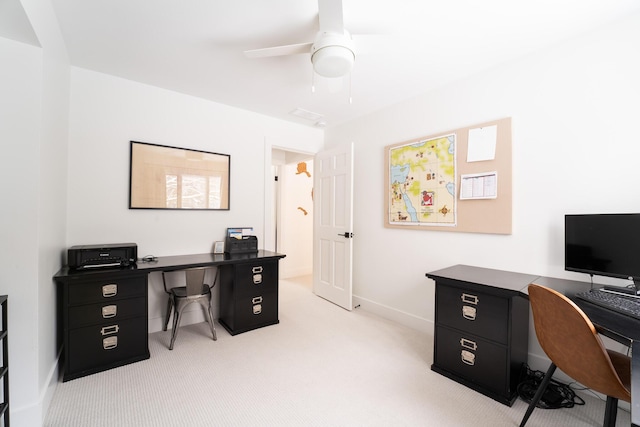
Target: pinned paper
(482,144)
(479,186)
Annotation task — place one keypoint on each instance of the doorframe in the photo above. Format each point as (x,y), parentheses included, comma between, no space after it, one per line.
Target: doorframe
(268,238)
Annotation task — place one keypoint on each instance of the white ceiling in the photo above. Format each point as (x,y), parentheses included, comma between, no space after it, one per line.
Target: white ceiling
(196,46)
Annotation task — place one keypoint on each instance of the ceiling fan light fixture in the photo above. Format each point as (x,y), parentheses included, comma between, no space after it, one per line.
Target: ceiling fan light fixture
(333,54)
(333,61)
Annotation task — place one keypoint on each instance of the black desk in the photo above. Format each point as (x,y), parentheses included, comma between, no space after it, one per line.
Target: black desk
(103,313)
(621,328)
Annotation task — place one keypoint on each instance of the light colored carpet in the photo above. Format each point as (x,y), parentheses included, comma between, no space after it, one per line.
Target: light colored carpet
(321,366)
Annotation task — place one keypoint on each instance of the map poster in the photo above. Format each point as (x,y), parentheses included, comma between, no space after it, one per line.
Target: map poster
(422,182)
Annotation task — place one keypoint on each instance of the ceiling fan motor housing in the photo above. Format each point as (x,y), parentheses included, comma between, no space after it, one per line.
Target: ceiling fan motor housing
(333,54)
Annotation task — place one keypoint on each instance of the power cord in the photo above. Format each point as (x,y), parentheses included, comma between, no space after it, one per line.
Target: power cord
(557,395)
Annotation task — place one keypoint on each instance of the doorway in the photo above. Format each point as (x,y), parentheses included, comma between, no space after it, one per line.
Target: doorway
(293,211)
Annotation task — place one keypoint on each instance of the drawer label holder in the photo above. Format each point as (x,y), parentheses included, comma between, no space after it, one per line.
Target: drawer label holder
(469,299)
(113,329)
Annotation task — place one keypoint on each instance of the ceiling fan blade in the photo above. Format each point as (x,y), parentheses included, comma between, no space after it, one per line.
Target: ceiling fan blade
(330,16)
(291,49)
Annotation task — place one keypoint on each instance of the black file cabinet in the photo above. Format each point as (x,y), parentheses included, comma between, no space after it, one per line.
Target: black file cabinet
(481,330)
(248,295)
(4,367)
(104,321)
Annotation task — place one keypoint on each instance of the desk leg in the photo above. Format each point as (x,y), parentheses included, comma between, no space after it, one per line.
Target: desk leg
(635,383)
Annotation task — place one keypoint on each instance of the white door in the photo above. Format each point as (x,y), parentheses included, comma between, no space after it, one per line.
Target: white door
(332,225)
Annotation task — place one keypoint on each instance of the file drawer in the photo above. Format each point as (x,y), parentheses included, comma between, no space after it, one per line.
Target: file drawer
(247,313)
(472,358)
(108,311)
(472,311)
(107,344)
(256,278)
(107,288)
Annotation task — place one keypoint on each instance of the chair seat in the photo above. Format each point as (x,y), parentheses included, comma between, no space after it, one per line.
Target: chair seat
(181,291)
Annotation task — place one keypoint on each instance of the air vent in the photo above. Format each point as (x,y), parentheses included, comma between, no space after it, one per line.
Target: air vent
(308,115)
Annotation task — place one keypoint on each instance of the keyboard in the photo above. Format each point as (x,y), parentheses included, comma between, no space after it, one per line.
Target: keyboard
(623,304)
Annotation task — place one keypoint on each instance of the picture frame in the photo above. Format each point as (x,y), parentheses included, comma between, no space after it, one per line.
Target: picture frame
(218,247)
(166,177)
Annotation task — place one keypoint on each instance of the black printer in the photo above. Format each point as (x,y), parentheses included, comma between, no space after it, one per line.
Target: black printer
(105,255)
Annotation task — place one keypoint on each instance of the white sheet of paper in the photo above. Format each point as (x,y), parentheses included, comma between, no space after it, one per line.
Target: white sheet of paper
(479,186)
(482,144)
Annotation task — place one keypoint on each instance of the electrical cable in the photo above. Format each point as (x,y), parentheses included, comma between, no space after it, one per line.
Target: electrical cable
(557,395)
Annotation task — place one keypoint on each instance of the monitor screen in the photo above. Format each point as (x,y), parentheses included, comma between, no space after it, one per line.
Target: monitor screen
(603,245)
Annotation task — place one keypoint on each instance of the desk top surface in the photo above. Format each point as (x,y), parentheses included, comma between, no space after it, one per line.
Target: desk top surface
(174,262)
(507,280)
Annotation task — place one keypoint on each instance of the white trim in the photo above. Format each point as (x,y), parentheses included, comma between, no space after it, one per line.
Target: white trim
(407,319)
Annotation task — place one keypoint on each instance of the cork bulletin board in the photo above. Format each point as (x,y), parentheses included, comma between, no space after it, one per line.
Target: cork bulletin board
(458,180)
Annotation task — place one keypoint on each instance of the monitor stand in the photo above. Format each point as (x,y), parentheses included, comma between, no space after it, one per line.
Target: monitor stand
(623,290)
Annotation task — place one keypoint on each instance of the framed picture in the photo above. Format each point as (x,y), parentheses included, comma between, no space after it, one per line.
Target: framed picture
(163,177)
(218,247)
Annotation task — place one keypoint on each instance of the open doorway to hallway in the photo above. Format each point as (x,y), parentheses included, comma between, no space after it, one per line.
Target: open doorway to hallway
(293,212)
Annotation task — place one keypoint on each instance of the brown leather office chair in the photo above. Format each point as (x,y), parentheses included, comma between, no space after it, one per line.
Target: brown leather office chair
(570,340)
(181,296)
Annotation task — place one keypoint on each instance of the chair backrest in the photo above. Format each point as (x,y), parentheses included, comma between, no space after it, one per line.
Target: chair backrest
(570,340)
(194,281)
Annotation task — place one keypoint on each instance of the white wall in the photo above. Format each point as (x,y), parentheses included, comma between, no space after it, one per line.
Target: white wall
(574,110)
(34,83)
(107,112)
(19,175)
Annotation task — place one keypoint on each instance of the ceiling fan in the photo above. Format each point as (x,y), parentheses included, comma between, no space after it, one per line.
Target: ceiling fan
(332,52)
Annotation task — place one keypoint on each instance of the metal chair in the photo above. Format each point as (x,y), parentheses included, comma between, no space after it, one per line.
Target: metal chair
(570,340)
(181,296)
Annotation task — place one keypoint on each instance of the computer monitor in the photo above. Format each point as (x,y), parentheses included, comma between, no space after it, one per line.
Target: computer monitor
(603,245)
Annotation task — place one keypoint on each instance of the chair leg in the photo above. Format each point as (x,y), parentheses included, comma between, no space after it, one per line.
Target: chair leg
(539,393)
(213,328)
(176,324)
(610,412)
(169,308)
(209,318)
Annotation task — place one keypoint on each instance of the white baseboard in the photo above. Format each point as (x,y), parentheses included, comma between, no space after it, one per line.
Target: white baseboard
(393,314)
(286,273)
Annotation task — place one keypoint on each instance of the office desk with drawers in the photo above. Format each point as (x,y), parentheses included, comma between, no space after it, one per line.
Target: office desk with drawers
(103,313)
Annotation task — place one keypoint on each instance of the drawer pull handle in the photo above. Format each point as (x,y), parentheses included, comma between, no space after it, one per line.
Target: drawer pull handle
(257,309)
(469,313)
(109,290)
(256,300)
(257,269)
(257,279)
(109,343)
(468,357)
(469,299)
(109,311)
(113,329)
(465,343)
